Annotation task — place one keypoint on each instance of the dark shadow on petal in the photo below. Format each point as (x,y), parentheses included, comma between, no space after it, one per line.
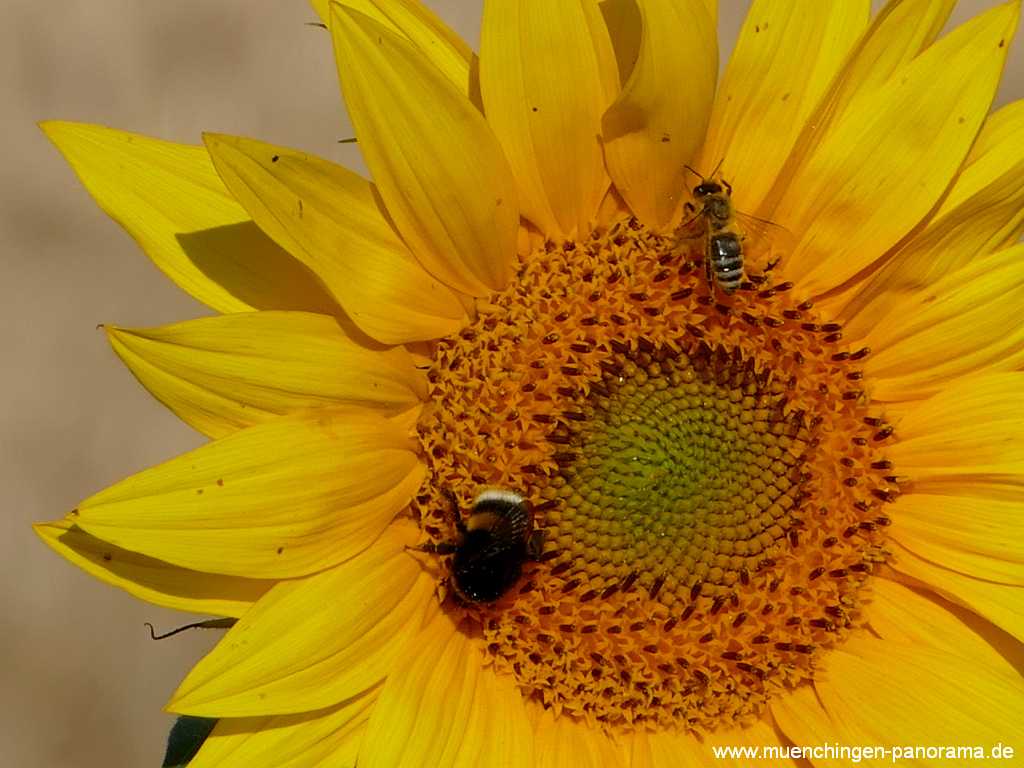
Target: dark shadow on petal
(475,96)
(623,16)
(150,573)
(254,269)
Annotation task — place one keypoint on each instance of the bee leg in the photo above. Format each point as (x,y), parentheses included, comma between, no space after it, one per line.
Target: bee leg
(763,277)
(535,545)
(453,511)
(443,548)
(728,187)
(450,593)
(443,591)
(709,273)
(689,208)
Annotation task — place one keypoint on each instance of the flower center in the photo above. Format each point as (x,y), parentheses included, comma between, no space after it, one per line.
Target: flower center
(685,470)
(704,468)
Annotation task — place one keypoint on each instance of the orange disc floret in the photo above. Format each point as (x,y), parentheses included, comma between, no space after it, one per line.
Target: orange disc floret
(706,470)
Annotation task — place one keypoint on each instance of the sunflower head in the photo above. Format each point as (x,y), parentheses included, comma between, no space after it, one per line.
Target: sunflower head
(707,474)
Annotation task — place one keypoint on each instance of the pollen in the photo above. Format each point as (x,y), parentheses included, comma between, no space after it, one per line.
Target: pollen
(707,470)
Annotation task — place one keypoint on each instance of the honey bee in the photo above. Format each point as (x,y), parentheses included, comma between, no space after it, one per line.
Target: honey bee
(490,546)
(723,250)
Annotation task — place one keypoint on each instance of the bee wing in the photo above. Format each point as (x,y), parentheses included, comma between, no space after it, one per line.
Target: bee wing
(764,241)
(690,227)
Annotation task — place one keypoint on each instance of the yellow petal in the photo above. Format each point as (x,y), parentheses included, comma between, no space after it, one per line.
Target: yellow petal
(332,221)
(284,498)
(716,747)
(625,31)
(785,58)
(668,750)
(803,720)
(152,580)
(900,614)
(220,374)
(988,485)
(437,166)
(169,198)
(900,31)
(424,29)
(982,213)
(652,130)
(996,160)
(973,427)
(640,755)
(973,535)
(406,421)
(325,737)
(712,9)
(1001,604)
(545,86)
(498,726)
(314,642)
(439,708)
(562,741)
(966,323)
(886,693)
(889,158)
(873,692)
(507,738)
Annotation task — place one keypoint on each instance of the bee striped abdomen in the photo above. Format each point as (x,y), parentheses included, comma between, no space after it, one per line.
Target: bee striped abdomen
(725,254)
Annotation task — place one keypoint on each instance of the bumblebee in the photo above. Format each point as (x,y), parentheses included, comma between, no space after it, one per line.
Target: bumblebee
(490,546)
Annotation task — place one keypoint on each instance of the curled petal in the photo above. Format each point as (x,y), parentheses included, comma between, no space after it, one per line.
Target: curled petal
(424,29)
(545,84)
(439,169)
(332,221)
(169,198)
(652,130)
(150,579)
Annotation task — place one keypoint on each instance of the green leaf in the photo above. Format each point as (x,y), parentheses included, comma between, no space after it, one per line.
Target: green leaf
(185,739)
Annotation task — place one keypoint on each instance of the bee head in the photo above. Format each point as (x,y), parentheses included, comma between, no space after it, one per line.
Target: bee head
(706,188)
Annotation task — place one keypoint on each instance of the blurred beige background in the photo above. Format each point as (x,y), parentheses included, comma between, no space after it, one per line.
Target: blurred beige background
(81,684)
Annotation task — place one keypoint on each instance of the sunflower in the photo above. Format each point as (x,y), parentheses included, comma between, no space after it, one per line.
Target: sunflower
(786,514)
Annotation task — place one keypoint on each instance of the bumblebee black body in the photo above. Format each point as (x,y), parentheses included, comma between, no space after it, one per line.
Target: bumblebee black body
(492,545)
